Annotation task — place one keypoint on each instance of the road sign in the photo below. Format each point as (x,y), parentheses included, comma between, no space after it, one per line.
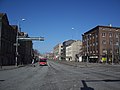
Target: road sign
(31,38)
(15,44)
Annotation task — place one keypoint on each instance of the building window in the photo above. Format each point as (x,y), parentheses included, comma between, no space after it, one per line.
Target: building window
(104,51)
(103,34)
(110,34)
(117,43)
(96,51)
(96,43)
(93,36)
(104,42)
(110,50)
(110,42)
(96,35)
(116,35)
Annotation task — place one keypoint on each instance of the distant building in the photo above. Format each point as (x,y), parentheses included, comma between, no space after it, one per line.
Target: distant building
(49,55)
(65,44)
(7,40)
(102,44)
(73,51)
(58,52)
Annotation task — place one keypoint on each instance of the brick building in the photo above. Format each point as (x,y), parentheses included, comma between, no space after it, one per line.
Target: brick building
(7,40)
(24,50)
(8,35)
(102,44)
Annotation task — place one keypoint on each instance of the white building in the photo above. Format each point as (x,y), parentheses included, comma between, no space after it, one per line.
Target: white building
(73,51)
(58,52)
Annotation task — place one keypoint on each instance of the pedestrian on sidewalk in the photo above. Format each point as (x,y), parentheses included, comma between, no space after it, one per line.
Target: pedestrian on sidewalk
(33,62)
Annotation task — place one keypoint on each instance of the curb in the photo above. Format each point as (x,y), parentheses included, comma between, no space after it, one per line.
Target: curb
(10,67)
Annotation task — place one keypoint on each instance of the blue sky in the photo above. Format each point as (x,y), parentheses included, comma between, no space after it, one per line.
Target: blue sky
(54,19)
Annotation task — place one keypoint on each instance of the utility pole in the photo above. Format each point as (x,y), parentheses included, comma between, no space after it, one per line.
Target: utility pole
(118,36)
(112,52)
(16,44)
(87,52)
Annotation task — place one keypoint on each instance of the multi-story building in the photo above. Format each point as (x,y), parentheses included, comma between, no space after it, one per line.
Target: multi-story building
(7,40)
(73,51)
(25,50)
(102,44)
(58,52)
(49,55)
(65,44)
(8,35)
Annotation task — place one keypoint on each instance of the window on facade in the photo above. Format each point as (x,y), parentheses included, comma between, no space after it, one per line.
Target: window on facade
(117,43)
(117,50)
(104,51)
(96,51)
(103,34)
(116,35)
(93,36)
(104,42)
(110,42)
(89,37)
(110,50)
(96,43)
(110,34)
(96,35)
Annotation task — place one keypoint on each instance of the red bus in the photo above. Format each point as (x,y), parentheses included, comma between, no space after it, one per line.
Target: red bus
(43,62)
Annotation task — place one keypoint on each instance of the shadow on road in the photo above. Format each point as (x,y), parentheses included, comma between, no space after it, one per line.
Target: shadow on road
(85,86)
(105,80)
(89,88)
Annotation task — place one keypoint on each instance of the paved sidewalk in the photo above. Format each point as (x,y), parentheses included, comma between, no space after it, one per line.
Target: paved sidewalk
(84,64)
(10,67)
(15,67)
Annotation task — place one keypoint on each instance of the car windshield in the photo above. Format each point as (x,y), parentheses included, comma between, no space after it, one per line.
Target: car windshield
(43,60)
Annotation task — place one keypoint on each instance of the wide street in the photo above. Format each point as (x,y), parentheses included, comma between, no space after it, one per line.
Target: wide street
(57,76)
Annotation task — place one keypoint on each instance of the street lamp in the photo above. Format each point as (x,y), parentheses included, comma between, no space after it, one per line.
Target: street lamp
(119,47)
(75,34)
(72,33)
(112,52)
(87,49)
(16,44)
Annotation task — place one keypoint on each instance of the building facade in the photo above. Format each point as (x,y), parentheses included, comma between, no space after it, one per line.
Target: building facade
(7,40)
(102,44)
(66,44)
(58,52)
(73,51)
(8,37)
(25,52)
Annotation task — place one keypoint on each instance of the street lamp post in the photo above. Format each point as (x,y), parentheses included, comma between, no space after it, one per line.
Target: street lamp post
(87,51)
(118,46)
(112,52)
(72,33)
(16,44)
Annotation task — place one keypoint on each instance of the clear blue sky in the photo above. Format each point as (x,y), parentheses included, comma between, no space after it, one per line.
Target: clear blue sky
(54,19)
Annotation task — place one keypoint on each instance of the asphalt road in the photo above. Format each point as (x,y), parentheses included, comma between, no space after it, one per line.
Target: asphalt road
(58,76)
